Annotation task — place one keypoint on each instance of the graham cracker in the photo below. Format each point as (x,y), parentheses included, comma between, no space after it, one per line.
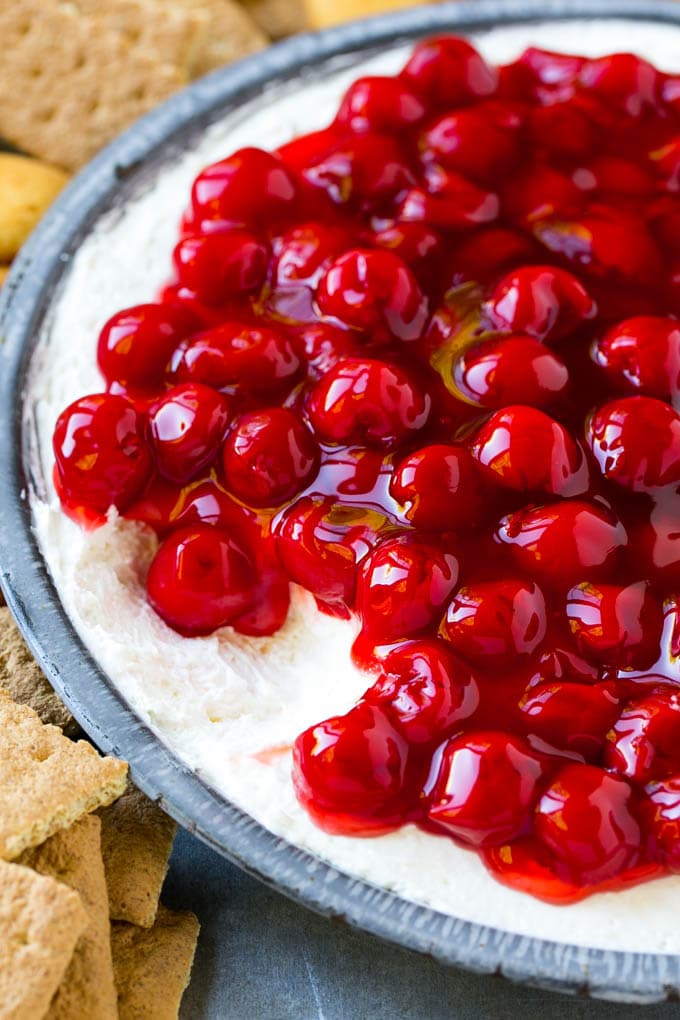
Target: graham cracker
(27,188)
(152,966)
(40,923)
(278,18)
(137,840)
(22,677)
(74,857)
(4,270)
(68,85)
(232,34)
(166,31)
(47,781)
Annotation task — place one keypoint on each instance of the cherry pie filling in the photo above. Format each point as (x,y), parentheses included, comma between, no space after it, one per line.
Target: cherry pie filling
(425,363)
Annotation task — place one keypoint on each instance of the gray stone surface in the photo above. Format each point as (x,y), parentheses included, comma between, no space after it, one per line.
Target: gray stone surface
(262,957)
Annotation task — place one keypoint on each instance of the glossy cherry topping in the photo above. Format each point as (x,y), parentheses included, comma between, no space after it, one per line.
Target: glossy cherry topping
(425,364)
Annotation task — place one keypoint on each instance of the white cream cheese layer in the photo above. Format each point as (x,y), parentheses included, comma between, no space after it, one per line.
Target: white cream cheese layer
(230,706)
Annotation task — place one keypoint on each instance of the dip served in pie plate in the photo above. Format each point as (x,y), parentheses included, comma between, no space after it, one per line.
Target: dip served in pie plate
(534,268)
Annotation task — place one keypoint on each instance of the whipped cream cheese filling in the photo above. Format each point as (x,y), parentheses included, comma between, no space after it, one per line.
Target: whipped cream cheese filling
(230,706)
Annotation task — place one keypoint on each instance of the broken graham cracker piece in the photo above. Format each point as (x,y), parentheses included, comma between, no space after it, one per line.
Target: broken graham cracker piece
(40,923)
(27,187)
(232,34)
(23,678)
(47,781)
(68,85)
(152,966)
(171,32)
(278,18)
(137,840)
(73,856)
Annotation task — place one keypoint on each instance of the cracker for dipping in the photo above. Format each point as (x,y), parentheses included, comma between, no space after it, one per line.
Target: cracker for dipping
(27,187)
(68,85)
(23,678)
(73,856)
(152,966)
(40,923)
(233,34)
(47,781)
(137,840)
(278,18)
(166,30)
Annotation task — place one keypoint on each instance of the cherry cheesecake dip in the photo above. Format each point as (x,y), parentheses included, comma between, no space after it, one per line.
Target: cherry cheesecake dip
(362,422)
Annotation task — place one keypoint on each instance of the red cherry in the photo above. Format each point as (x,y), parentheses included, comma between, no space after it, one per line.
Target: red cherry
(374,289)
(215,266)
(564,543)
(644,743)
(559,663)
(425,690)
(258,359)
(614,175)
(643,355)
(492,622)
(102,458)
(187,427)
(350,772)
(449,202)
(616,626)
(404,585)
(447,70)
(378,104)
(416,243)
(636,443)
(571,717)
(554,71)
(303,252)
(489,251)
(477,142)
(250,187)
(511,370)
(525,450)
(666,163)
(563,129)
(269,457)
(586,818)
(325,345)
(485,788)
(655,540)
(623,79)
(440,486)
(660,812)
(201,578)
(320,542)
(367,402)
(542,301)
(536,192)
(611,245)
(362,170)
(135,345)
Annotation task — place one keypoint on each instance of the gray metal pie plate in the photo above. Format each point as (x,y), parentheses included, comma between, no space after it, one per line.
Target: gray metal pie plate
(24,303)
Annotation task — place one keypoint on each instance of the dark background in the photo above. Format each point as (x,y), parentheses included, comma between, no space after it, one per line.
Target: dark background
(262,957)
